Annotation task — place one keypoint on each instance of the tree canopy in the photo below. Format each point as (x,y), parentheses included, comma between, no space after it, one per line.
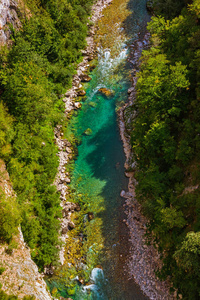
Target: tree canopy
(166,140)
(33,73)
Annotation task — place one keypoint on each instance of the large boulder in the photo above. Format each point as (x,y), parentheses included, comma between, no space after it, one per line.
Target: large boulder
(106,92)
(81,93)
(71,225)
(77,105)
(88,131)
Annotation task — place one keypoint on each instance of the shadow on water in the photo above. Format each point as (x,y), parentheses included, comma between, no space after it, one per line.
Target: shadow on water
(135,23)
(107,164)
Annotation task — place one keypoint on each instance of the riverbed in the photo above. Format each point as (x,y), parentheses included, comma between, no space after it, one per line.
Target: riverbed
(98,248)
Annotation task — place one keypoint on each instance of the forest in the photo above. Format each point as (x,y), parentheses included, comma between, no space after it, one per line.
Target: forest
(34,72)
(166,141)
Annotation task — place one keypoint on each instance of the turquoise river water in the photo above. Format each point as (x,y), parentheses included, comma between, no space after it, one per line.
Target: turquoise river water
(98,174)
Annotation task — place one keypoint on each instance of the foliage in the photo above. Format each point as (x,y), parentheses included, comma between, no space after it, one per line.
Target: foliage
(165,140)
(6,131)
(9,217)
(187,259)
(168,8)
(4,296)
(195,7)
(2,269)
(33,72)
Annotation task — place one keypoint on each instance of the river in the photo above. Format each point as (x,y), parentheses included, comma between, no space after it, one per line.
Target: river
(98,248)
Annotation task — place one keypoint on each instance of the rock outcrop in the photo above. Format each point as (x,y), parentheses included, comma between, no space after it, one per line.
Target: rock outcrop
(21,276)
(9,15)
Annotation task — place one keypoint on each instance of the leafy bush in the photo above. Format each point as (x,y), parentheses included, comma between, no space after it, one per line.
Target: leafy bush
(9,217)
(168,8)
(6,132)
(2,269)
(4,296)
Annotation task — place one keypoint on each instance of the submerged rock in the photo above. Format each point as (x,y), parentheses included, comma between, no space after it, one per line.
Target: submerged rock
(88,131)
(92,104)
(92,68)
(90,216)
(106,92)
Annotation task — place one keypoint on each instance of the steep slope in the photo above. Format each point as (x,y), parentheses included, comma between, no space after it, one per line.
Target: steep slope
(19,274)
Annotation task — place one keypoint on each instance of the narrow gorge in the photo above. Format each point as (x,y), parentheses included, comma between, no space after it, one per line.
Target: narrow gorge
(99,163)
(99,250)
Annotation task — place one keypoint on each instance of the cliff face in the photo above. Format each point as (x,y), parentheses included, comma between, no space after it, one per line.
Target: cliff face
(20,276)
(9,17)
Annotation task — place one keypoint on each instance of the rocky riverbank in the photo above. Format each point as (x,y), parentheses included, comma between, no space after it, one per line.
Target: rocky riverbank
(65,147)
(143,260)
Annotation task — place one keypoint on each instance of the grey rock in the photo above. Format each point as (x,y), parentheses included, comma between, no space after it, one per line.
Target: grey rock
(132,89)
(71,225)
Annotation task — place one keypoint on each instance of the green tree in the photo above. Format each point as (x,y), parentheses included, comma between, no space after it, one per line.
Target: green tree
(188,261)
(6,132)
(169,8)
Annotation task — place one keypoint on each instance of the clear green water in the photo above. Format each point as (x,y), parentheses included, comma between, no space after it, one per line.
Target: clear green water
(98,175)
